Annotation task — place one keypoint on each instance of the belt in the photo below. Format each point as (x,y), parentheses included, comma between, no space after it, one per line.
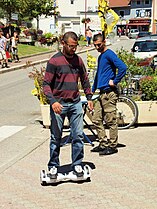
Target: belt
(106,91)
(68,100)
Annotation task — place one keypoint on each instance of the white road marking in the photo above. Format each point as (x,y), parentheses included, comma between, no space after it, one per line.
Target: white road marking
(6,131)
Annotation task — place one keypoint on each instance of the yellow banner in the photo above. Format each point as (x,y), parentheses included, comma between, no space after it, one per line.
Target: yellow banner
(109,17)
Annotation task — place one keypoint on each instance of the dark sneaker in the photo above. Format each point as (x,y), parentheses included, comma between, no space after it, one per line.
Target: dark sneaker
(78,170)
(97,149)
(108,151)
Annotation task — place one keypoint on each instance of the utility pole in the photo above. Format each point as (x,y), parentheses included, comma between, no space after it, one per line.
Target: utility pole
(85,16)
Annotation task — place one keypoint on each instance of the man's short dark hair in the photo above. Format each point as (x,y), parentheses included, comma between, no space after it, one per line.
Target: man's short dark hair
(70,34)
(98,36)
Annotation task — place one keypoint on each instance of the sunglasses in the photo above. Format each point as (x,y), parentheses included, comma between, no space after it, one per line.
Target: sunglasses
(98,45)
(71,46)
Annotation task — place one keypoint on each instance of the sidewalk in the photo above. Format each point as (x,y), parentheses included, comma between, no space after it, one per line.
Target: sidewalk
(126,180)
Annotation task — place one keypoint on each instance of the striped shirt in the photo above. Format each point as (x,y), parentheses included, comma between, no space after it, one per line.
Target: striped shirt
(3,41)
(61,79)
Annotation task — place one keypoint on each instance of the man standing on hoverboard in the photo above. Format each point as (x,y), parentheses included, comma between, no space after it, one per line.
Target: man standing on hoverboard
(60,85)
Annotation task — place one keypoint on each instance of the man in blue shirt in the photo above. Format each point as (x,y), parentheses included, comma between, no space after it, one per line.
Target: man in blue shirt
(109,73)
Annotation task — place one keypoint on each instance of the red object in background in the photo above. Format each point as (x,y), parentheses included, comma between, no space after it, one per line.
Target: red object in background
(146,62)
(8,55)
(149,62)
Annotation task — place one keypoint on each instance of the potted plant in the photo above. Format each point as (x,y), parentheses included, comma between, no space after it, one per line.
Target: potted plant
(148,106)
(38,76)
(146,97)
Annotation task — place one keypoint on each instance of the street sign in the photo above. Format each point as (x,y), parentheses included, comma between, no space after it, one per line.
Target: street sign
(14,16)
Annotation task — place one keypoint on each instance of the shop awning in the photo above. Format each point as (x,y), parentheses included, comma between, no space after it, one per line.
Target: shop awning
(138,23)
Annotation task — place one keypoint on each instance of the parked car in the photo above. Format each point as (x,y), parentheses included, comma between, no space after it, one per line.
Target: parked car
(145,47)
(154,62)
(154,35)
(143,34)
(133,33)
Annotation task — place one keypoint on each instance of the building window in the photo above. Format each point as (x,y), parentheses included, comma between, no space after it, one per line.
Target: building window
(147,2)
(121,13)
(90,9)
(72,1)
(138,2)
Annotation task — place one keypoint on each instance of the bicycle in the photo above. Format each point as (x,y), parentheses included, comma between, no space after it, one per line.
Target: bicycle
(127,110)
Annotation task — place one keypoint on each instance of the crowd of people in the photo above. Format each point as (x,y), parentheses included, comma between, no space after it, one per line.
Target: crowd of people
(8,48)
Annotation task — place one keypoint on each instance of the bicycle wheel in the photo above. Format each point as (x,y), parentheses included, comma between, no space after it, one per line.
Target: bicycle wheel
(127,112)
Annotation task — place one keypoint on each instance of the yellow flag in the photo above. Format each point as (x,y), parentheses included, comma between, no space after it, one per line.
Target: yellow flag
(102,7)
(109,17)
(111,20)
(103,3)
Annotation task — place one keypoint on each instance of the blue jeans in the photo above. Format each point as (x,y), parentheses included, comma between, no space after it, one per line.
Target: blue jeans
(74,113)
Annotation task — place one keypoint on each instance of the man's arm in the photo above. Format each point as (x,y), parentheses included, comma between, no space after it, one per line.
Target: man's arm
(85,82)
(86,86)
(121,66)
(48,78)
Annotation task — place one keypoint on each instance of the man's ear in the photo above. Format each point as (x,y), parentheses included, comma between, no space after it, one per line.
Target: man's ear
(62,42)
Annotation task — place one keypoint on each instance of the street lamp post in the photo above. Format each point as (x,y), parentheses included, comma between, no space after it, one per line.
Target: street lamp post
(85,16)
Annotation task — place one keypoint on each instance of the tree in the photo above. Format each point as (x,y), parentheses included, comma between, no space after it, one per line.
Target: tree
(9,7)
(27,9)
(36,8)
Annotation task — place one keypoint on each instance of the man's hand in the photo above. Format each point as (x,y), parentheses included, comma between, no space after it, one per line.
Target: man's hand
(111,83)
(90,105)
(57,107)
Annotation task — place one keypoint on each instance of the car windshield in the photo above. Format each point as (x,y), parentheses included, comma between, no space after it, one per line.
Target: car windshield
(145,46)
(134,31)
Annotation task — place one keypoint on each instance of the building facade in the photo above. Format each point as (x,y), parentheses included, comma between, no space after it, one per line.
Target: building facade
(74,12)
(136,14)
(140,14)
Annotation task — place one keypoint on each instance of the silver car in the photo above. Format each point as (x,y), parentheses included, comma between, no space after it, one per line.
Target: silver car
(145,47)
(133,33)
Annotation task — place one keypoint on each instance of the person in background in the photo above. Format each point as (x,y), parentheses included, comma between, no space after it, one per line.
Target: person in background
(88,36)
(14,47)
(8,47)
(3,43)
(60,85)
(109,73)
(119,32)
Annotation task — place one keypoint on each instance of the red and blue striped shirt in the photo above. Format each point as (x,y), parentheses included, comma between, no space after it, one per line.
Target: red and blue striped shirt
(61,79)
